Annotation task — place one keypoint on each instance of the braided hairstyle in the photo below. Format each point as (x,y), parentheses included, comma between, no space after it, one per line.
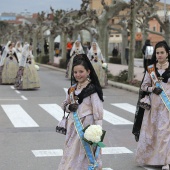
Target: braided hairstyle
(83,60)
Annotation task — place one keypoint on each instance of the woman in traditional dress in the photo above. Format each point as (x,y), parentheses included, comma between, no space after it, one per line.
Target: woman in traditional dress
(8,65)
(152,128)
(97,59)
(76,49)
(18,48)
(27,76)
(88,106)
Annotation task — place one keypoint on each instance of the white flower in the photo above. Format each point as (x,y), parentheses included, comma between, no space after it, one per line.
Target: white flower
(37,67)
(93,133)
(104,65)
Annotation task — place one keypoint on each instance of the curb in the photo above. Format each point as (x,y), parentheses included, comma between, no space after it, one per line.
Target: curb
(112,83)
(124,86)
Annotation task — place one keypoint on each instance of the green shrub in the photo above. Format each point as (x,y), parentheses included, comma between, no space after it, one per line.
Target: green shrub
(42,59)
(122,77)
(115,60)
(63,63)
(138,54)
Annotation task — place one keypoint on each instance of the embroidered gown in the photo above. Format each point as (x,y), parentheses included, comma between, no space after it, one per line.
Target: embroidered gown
(97,60)
(70,63)
(9,67)
(27,76)
(154,141)
(90,112)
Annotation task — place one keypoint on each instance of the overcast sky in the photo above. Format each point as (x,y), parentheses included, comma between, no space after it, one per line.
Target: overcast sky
(32,6)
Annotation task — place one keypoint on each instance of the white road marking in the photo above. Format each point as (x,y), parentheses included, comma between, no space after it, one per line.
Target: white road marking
(150,168)
(54,110)
(18,116)
(11,99)
(12,87)
(125,106)
(24,98)
(17,91)
(66,90)
(57,112)
(59,152)
(46,153)
(114,119)
(115,150)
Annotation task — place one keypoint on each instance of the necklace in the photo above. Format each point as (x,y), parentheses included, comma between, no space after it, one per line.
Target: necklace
(80,85)
(161,65)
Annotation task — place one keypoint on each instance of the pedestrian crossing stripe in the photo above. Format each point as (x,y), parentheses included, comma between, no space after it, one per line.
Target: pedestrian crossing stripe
(59,152)
(114,119)
(115,150)
(18,116)
(125,106)
(150,168)
(54,110)
(57,112)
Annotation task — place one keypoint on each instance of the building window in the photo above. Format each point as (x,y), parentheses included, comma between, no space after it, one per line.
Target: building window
(154,28)
(117,35)
(161,29)
(111,35)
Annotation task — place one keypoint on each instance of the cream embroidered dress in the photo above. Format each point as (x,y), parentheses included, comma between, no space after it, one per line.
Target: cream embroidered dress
(27,76)
(97,60)
(8,66)
(154,141)
(90,112)
(74,51)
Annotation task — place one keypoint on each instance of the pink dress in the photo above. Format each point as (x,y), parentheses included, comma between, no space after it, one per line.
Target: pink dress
(154,141)
(90,112)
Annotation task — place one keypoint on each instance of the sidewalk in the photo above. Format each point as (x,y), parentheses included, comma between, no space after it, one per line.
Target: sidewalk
(114,70)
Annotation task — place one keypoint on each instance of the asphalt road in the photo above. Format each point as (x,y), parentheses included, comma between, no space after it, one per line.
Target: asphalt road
(28,140)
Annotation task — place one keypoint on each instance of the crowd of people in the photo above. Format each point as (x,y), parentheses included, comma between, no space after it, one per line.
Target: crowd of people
(94,55)
(84,101)
(152,119)
(17,66)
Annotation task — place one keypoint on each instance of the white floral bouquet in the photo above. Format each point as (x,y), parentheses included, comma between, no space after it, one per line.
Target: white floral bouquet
(94,135)
(105,66)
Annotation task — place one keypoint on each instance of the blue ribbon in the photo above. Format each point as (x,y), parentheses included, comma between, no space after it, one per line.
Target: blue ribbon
(164,96)
(79,127)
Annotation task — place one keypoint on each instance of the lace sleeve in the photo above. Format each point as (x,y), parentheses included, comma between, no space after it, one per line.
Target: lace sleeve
(147,83)
(97,107)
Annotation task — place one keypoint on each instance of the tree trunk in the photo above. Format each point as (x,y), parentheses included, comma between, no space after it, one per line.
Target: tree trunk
(167,34)
(75,36)
(63,45)
(106,47)
(42,43)
(51,49)
(132,44)
(124,45)
(103,39)
(35,44)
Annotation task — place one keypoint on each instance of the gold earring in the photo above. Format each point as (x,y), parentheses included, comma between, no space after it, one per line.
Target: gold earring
(88,78)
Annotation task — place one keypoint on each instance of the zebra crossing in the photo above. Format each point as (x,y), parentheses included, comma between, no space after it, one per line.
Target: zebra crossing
(19,117)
